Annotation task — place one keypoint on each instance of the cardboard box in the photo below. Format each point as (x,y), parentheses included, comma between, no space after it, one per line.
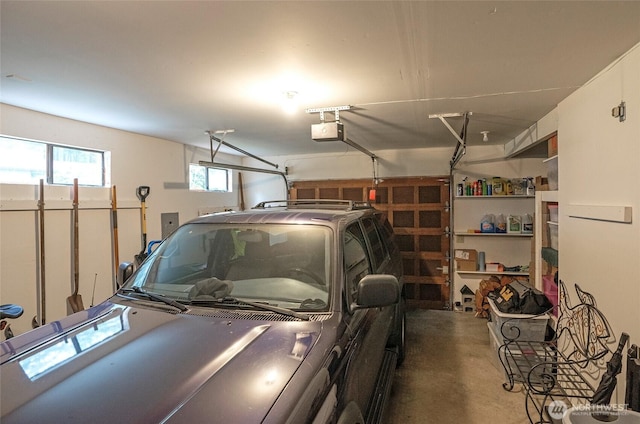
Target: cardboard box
(494,267)
(542,183)
(466,259)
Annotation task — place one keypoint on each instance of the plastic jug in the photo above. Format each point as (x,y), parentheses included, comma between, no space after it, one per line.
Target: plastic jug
(514,224)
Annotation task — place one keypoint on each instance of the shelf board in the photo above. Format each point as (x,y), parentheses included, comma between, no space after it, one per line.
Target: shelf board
(495,234)
(493,273)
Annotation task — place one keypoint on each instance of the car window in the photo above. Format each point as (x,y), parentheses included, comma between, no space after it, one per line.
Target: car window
(355,259)
(378,249)
(285,265)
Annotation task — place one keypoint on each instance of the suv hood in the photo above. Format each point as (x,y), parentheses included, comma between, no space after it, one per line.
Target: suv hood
(113,363)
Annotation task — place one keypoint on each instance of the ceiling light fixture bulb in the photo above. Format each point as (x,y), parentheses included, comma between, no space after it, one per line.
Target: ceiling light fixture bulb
(485,136)
(290,102)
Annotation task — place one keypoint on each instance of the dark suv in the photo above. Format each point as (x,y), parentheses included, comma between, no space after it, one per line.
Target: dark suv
(292,312)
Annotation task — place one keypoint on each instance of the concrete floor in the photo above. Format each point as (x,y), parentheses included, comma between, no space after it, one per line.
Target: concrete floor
(448,376)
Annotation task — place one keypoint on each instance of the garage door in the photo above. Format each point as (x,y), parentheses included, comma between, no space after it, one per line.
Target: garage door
(418,209)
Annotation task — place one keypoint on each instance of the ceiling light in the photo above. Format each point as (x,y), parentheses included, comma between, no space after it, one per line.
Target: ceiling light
(290,102)
(485,136)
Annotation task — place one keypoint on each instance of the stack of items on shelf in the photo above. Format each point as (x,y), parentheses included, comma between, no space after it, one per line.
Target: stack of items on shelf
(497,186)
(511,224)
(471,260)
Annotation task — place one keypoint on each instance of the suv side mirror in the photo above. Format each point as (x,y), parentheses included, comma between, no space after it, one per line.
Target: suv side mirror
(377,290)
(125,270)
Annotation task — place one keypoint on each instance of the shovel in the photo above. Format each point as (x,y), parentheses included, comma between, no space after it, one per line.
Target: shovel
(142,192)
(114,224)
(74,302)
(43,302)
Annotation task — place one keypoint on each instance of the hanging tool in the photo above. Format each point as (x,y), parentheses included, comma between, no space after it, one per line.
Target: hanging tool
(43,303)
(74,302)
(114,225)
(241,191)
(142,192)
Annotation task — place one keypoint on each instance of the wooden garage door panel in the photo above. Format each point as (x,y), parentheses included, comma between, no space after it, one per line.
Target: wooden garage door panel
(353,193)
(403,219)
(329,193)
(417,208)
(429,194)
(306,193)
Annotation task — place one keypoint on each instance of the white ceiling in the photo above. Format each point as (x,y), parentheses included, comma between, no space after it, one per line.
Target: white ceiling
(173,69)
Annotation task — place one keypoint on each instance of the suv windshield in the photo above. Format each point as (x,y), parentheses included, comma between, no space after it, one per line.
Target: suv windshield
(283,265)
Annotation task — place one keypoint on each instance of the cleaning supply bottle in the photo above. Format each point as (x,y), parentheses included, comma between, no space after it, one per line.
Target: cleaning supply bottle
(527,224)
(514,224)
(487,224)
(498,186)
(531,189)
(501,223)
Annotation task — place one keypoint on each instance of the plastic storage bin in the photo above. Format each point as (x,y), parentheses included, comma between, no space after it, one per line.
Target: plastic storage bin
(497,358)
(519,326)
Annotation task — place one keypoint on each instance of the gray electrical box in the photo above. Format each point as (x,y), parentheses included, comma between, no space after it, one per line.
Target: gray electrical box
(169,223)
(328,131)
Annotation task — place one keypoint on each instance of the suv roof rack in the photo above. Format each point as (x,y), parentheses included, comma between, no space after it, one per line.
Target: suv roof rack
(334,204)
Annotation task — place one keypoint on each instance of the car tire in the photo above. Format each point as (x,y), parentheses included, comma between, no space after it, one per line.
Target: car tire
(401,345)
(397,339)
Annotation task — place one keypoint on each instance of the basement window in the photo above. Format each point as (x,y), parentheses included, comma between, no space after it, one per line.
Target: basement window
(202,178)
(25,161)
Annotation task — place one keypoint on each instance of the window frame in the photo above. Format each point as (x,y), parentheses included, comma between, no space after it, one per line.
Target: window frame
(377,246)
(207,189)
(356,231)
(49,167)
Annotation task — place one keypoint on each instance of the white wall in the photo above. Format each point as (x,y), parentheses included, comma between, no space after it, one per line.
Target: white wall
(136,160)
(599,164)
(349,164)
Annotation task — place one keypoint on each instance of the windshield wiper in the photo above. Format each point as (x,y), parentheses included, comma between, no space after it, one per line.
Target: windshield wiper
(257,305)
(156,297)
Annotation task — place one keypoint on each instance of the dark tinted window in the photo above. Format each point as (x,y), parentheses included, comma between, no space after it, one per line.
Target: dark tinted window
(355,259)
(386,230)
(378,249)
